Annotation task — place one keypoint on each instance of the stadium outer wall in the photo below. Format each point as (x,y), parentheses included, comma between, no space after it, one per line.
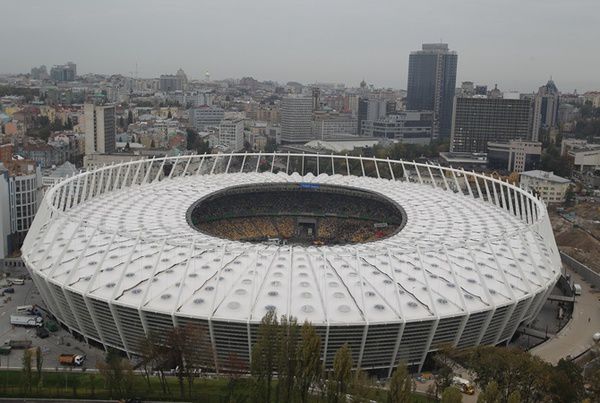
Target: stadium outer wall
(374,345)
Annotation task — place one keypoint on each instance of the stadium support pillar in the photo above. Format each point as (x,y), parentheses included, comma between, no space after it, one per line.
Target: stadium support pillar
(362,345)
(396,348)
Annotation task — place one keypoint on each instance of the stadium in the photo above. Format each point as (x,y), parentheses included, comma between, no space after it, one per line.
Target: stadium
(394,258)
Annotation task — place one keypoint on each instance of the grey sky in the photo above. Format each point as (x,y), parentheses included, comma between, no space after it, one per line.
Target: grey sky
(515,43)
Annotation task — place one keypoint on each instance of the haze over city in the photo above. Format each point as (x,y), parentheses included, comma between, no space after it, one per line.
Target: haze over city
(516,44)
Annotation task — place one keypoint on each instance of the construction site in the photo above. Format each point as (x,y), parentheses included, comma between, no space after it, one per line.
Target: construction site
(577,231)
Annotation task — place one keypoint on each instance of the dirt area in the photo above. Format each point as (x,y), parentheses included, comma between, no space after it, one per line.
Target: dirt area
(577,231)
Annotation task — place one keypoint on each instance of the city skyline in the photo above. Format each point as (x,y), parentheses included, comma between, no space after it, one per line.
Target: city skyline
(293,41)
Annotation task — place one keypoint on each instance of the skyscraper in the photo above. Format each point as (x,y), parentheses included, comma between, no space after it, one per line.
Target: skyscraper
(296,119)
(431,84)
(100,129)
(547,101)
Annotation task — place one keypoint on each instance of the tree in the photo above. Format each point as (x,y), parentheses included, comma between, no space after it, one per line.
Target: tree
(451,395)
(569,197)
(490,394)
(169,115)
(117,373)
(514,397)
(342,371)
(566,382)
(234,368)
(287,360)
(362,387)
(400,385)
(39,362)
(27,370)
(594,382)
(264,356)
(309,360)
(92,381)
(129,117)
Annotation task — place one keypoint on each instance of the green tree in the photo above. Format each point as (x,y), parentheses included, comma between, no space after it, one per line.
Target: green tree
(490,394)
(112,370)
(129,117)
(92,387)
(310,366)
(39,363)
(514,397)
(566,382)
(362,387)
(264,356)
(400,385)
(287,360)
(27,371)
(451,395)
(594,382)
(341,375)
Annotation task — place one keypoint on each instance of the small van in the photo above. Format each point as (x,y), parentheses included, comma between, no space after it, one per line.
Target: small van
(577,289)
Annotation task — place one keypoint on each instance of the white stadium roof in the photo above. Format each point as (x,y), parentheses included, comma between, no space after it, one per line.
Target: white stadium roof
(133,246)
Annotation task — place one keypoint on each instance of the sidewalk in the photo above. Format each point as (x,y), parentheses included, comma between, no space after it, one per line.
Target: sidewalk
(576,337)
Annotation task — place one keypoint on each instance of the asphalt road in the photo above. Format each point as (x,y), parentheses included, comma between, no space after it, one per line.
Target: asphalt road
(576,337)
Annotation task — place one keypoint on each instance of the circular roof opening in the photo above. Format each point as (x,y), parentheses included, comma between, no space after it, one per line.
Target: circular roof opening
(297,213)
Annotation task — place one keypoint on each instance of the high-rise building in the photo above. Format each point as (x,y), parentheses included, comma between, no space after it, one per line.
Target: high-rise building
(478,120)
(20,195)
(100,128)
(39,73)
(296,119)
(65,72)
(231,134)
(546,105)
(431,84)
(169,83)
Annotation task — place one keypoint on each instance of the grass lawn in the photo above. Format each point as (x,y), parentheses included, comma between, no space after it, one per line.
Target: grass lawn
(63,385)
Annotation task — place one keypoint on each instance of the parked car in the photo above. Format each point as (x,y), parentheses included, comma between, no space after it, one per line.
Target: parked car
(42,332)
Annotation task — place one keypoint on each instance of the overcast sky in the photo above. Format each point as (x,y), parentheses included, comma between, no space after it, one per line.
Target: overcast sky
(518,44)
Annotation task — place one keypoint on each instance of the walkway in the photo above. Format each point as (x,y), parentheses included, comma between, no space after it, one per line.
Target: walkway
(576,337)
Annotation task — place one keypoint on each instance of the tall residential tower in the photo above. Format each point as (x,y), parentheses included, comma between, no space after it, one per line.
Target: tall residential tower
(296,119)
(100,129)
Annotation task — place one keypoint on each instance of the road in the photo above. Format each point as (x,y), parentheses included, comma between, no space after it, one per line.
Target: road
(576,337)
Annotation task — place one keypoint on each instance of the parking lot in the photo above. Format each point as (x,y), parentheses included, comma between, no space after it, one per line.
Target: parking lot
(59,342)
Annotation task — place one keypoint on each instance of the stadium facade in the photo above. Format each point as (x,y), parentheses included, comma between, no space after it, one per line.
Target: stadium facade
(115,257)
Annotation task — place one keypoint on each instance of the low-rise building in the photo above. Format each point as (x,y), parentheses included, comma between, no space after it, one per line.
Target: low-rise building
(549,187)
(514,155)
(414,127)
(327,124)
